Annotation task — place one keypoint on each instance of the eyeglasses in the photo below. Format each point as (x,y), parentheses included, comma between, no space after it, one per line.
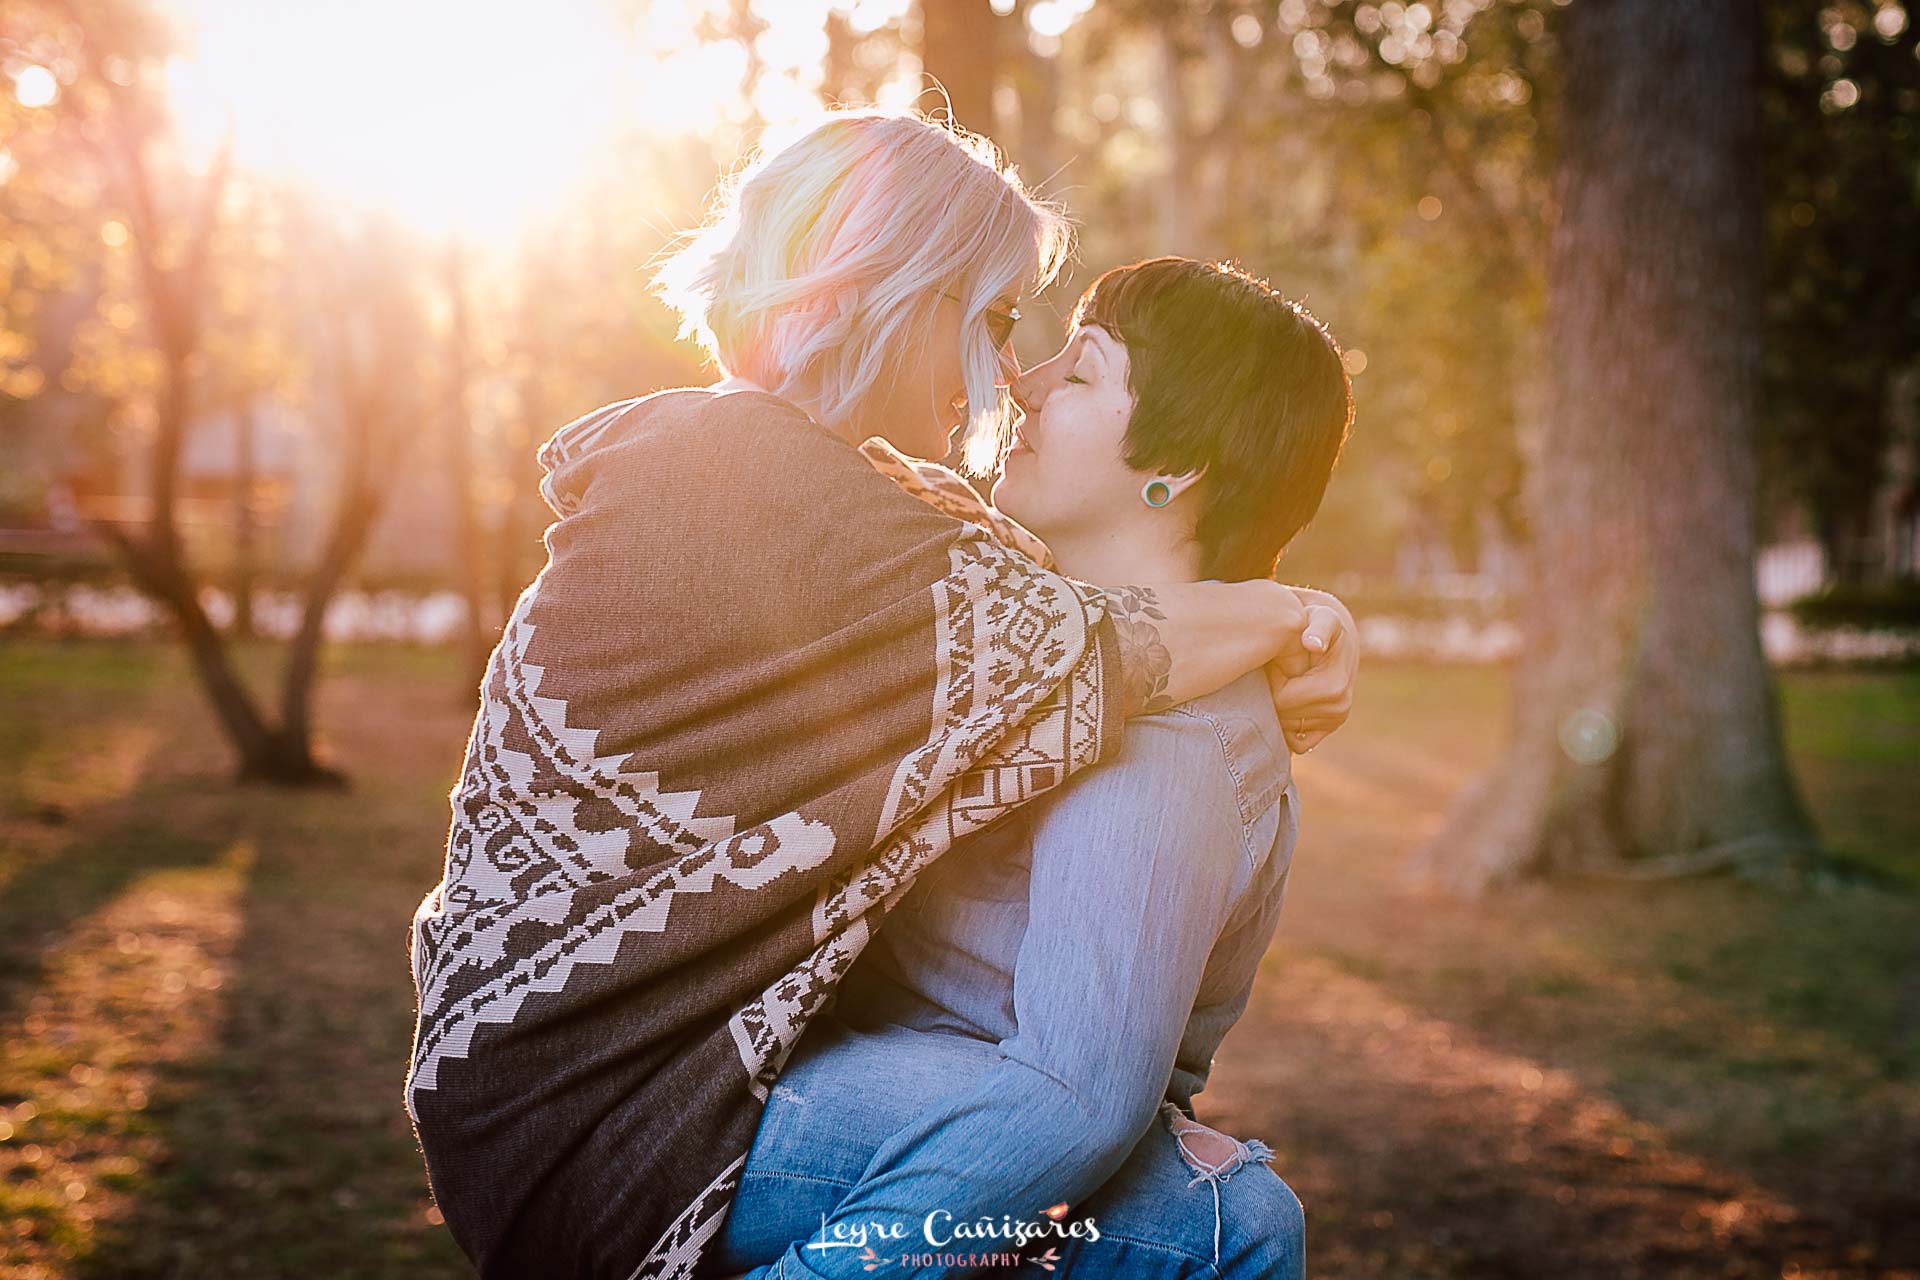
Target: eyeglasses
(1000,322)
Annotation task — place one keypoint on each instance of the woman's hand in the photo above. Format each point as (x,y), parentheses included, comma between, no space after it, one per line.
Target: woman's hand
(1313,693)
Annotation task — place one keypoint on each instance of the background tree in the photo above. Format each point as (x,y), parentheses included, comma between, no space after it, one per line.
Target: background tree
(959,53)
(1645,734)
(458,426)
(177,269)
(1390,163)
(369,329)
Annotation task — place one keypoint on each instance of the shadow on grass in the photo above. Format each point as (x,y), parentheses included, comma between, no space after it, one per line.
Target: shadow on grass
(285,1149)
(1760,1037)
(288,1151)
(1440,1155)
(52,891)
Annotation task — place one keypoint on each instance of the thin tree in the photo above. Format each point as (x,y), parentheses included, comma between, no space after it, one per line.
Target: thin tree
(959,52)
(176,224)
(372,346)
(458,421)
(1645,738)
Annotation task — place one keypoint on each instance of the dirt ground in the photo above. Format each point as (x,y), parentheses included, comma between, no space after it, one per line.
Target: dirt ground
(1586,1080)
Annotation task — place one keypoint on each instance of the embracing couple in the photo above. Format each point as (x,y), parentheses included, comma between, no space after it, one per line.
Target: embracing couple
(848,876)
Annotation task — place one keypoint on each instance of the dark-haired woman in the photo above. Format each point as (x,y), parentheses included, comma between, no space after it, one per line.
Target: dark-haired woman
(1026,1033)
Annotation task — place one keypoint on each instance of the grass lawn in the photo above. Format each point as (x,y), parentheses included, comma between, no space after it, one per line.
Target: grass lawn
(205,1009)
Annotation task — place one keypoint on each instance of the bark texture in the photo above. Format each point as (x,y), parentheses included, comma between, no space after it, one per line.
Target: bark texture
(1645,737)
(959,51)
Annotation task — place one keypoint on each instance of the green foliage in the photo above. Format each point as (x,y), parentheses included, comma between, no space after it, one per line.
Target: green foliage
(1862,605)
(1843,306)
(1390,163)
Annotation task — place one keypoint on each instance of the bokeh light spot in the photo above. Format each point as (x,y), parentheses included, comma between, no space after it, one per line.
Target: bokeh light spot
(1589,736)
(35,87)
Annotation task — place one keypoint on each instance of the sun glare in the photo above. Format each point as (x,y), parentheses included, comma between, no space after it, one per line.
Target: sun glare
(471,117)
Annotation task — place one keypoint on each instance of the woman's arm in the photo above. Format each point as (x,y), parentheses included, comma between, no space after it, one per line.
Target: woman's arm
(1135,867)
(1183,640)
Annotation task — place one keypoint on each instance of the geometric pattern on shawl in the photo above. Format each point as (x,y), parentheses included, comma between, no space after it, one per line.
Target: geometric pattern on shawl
(955,788)
(539,896)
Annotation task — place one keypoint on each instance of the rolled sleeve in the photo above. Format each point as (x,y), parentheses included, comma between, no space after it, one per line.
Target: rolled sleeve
(1136,867)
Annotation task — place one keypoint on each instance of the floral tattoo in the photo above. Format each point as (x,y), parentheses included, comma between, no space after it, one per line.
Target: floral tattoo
(1145,664)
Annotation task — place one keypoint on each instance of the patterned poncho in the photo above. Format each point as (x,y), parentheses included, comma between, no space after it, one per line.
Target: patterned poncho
(764,679)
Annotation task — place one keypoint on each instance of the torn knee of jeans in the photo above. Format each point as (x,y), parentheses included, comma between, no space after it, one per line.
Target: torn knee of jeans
(787,1093)
(1209,1152)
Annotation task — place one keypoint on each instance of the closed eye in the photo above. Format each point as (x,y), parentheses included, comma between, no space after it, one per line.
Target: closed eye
(1074,377)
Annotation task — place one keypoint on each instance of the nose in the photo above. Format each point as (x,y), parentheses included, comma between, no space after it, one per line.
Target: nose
(1024,389)
(1009,368)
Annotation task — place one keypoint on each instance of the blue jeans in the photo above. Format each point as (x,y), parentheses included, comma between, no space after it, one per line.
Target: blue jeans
(1178,1208)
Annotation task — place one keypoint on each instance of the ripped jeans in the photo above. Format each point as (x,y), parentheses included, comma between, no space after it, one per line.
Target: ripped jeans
(1188,1202)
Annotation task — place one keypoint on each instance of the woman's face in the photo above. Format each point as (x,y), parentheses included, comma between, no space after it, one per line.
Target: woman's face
(1064,472)
(927,402)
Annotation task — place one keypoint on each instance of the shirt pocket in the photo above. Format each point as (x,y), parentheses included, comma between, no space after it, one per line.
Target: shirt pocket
(1274,833)
(1262,769)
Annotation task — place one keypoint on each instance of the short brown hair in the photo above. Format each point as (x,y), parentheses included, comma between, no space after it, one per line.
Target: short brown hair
(1230,375)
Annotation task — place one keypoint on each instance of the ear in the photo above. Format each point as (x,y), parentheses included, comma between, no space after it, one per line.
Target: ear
(1183,482)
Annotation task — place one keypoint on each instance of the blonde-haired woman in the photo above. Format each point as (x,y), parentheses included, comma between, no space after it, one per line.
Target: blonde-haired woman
(825,276)
(775,665)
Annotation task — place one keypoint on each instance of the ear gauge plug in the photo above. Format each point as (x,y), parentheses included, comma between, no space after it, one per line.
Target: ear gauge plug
(1156,493)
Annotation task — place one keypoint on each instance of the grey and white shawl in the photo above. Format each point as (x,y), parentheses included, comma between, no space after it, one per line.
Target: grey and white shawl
(763,680)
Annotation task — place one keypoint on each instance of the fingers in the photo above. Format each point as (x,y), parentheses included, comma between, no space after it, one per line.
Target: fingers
(1283,690)
(1302,740)
(1292,612)
(1292,663)
(1312,685)
(1322,630)
(1316,701)
(1321,693)
(1315,627)
(1306,731)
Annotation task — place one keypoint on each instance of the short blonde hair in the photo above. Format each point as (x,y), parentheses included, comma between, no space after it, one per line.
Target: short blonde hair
(826,254)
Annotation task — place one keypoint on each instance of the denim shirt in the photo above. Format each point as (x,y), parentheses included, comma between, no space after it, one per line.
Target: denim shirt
(1102,939)
(1108,935)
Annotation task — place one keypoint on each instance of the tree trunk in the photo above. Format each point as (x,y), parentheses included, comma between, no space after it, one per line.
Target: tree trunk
(519,540)
(1645,738)
(1174,214)
(459,422)
(172,257)
(838,67)
(1843,536)
(156,571)
(1036,85)
(244,529)
(958,52)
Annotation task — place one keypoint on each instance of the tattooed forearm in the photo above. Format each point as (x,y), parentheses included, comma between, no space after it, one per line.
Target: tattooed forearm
(1145,664)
